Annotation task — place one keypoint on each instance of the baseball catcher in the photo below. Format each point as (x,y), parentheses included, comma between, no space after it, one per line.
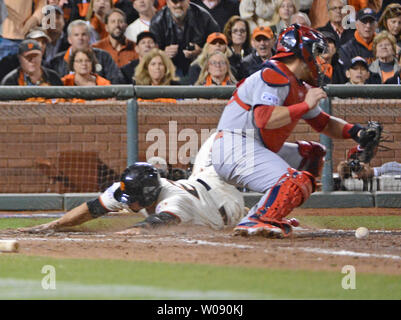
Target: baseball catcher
(203,199)
(250,149)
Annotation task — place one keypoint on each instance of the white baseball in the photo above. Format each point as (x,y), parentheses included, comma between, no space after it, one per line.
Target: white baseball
(361,233)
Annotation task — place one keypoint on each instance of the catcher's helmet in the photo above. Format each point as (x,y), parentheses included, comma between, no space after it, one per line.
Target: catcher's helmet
(139,182)
(303,42)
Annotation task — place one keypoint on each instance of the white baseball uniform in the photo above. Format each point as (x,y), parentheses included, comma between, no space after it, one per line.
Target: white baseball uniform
(203,199)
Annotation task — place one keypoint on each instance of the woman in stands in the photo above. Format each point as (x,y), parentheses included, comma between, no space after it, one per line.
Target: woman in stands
(390,20)
(82,65)
(156,69)
(386,65)
(97,12)
(238,35)
(282,15)
(216,71)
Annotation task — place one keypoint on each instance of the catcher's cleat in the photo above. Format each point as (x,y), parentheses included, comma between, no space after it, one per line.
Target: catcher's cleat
(255,227)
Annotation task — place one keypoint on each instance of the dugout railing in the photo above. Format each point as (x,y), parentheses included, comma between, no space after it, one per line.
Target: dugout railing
(132,93)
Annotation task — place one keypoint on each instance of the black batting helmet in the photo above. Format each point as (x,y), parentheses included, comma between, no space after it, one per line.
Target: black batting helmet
(139,182)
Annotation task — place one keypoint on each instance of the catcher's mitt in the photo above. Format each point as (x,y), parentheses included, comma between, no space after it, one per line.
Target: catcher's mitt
(369,140)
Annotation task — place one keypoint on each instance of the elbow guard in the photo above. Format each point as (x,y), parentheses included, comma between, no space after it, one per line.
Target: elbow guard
(96,209)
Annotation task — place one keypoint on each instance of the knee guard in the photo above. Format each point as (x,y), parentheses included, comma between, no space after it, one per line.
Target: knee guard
(313,156)
(291,190)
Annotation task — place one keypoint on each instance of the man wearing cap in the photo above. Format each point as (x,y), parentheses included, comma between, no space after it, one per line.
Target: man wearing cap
(78,37)
(11,62)
(116,44)
(58,38)
(335,23)
(146,41)
(262,42)
(358,71)
(362,43)
(181,29)
(30,72)
(216,41)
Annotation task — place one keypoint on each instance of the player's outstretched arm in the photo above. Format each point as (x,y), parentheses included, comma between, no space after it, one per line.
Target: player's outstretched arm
(151,222)
(74,217)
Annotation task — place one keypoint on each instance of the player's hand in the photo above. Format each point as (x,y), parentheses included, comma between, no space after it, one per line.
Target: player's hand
(131,232)
(171,50)
(46,227)
(313,96)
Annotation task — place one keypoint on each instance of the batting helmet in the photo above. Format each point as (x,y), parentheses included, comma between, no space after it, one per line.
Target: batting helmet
(303,42)
(139,182)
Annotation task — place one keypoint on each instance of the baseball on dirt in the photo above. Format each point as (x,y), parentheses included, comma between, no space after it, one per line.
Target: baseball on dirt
(361,233)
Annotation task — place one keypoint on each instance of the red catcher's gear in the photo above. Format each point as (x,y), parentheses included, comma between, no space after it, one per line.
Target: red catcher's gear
(305,43)
(313,156)
(291,190)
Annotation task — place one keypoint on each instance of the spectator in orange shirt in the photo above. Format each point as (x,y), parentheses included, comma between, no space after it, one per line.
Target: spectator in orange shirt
(98,9)
(82,65)
(216,71)
(120,48)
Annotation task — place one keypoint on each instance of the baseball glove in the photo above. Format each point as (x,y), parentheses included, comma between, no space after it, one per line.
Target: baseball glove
(369,140)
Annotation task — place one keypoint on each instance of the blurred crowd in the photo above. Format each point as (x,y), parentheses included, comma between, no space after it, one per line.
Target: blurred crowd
(189,42)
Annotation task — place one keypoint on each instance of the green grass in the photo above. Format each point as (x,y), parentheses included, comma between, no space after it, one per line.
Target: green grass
(122,277)
(101,224)
(352,222)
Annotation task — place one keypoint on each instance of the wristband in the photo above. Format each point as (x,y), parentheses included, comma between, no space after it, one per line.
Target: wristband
(350,131)
(298,110)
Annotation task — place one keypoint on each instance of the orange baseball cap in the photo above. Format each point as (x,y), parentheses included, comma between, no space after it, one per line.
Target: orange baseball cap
(263,31)
(216,35)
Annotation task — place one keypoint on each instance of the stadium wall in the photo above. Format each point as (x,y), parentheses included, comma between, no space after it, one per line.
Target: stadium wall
(35,135)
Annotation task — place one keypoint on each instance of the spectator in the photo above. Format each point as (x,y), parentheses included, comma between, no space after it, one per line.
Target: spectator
(300,18)
(262,42)
(216,71)
(146,11)
(358,71)
(238,36)
(116,44)
(220,10)
(385,66)
(146,42)
(78,38)
(335,24)
(156,69)
(396,79)
(58,38)
(215,42)
(97,12)
(329,61)
(390,20)
(282,14)
(362,43)
(82,65)
(257,12)
(127,7)
(336,75)
(22,16)
(30,72)
(181,29)
(11,62)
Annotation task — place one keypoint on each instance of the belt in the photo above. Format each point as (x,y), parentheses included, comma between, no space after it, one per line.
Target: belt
(243,105)
(204,184)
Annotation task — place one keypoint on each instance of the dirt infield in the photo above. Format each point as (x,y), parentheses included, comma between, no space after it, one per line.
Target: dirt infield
(308,249)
